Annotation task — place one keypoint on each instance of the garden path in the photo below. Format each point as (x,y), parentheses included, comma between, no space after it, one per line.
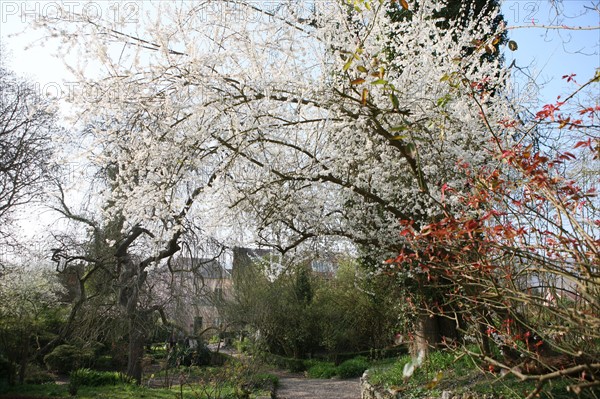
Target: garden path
(296,386)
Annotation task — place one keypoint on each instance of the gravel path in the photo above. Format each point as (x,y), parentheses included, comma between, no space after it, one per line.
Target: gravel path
(295,386)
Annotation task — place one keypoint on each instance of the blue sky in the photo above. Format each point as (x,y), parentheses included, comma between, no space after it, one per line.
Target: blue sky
(549,54)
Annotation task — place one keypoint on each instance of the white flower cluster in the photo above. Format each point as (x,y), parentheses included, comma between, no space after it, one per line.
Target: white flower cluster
(278,127)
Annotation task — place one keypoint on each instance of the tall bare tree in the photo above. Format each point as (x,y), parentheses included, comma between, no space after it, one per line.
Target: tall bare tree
(27,124)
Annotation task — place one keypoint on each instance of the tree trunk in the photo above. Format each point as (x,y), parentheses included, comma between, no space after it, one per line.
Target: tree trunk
(136,349)
(426,334)
(24,344)
(22,370)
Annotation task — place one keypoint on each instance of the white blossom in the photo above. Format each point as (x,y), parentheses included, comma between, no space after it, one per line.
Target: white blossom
(255,125)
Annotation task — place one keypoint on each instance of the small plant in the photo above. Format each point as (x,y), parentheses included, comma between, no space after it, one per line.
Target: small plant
(39,377)
(95,378)
(243,345)
(158,351)
(65,358)
(349,369)
(228,381)
(264,381)
(353,367)
(182,355)
(104,363)
(73,387)
(323,370)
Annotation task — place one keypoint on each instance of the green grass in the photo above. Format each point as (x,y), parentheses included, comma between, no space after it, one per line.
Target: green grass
(158,351)
(444,371)
(349,369)
(187,371)
(94,378)
(353,367)
(47,390)
(391,375)
(264,380)
(120,391)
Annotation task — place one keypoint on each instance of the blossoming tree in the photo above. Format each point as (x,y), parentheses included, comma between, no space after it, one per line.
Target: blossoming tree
(291,124)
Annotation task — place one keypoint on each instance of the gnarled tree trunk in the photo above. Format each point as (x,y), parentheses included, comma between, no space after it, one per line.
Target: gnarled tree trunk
(137,339)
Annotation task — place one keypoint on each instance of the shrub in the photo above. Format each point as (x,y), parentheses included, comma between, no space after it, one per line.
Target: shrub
(65,358)
(243,346)
(264,381)
(158,351)
(353,367)
(295,365)
(321,370)
(104,363)
(7,371)
(182,355)
(95,378)
(371,354)
(73,388)
(218,358)
(288,363)
(37,375)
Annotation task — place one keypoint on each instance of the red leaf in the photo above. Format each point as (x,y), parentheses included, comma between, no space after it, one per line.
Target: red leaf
(406,232)
(471,225)
(587,143)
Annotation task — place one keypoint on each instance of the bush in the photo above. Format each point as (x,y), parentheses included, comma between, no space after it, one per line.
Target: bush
(65,358)
(264,381)
(37,375)
(93,378)
(288,363)
(158,351)
(305,316)
(104,363)
(371,354)
(218,358)
(348,369)
(182,355)
(243,346)
(7,371)
(323,370)
(353,367)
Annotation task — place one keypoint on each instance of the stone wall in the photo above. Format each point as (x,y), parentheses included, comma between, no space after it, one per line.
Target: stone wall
(369,391)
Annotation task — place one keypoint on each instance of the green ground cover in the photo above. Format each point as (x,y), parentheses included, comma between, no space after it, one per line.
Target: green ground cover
(231,381)
(349,369)
(446,371)
(126,391)
(120,391)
